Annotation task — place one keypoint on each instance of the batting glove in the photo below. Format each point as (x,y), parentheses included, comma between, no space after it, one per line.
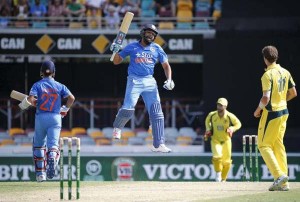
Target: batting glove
(63,111)
(114,47)
(24,104)
(169,84)
(34,102)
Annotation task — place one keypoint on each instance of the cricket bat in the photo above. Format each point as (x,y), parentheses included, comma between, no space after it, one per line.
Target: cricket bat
(17,95)
(123,31)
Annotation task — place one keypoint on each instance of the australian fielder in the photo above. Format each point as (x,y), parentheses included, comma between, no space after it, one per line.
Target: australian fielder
(220,126)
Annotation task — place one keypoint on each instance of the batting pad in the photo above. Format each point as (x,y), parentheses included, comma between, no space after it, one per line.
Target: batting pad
(157,120)
(123,116)
(39,156)
(52,161)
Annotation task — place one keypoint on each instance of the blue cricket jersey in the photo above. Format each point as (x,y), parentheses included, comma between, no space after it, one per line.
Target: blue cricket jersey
(143,59)
(49,94)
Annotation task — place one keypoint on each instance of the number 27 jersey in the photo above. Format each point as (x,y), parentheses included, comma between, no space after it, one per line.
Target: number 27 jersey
(49,94)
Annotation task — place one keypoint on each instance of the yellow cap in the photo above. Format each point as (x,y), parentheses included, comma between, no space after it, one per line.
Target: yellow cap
(222,101)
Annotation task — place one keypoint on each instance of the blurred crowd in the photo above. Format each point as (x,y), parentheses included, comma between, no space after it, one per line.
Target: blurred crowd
(99,13)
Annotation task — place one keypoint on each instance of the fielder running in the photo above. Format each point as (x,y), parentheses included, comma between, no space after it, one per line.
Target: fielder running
(278,87)
(46,95)
(220,126)
(144,54)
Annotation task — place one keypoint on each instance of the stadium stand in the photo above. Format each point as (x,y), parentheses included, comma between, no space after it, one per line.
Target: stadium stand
(96,134)
(107,131)
(184,14)
(171,140)
(166,25)
(24,141)
(149,140)
(217,9)
(16,132)
(30,134)
(148,11)
(103,141)
(184,140)
(142,134)
(171,132)
(187,131)
(65,133)
(201,25)
(59,14)
(202,8)
(78,131)
(5,142)
(136,141)
(56,14)
(165,8)
(127,134)
(91,130)
(87,140)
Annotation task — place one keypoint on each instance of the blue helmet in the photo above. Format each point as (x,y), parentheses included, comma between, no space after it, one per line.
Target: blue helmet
(47,68)
(150,27)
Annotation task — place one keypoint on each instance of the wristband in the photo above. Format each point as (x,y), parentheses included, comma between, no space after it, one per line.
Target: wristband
(261,105)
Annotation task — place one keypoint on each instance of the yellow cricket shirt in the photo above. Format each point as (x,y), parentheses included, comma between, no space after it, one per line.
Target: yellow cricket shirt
(218,125)
(277,80)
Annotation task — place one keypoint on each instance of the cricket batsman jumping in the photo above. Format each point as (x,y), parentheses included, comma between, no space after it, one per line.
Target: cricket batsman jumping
(144,54)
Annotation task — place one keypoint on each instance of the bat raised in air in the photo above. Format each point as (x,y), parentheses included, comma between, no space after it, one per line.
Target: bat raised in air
(17,95)
(123,31)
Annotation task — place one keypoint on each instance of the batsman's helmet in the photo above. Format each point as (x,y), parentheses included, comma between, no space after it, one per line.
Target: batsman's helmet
(148,27)
(47,68)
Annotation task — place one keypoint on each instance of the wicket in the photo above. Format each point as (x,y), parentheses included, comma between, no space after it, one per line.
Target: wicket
(251,169)
(61,142)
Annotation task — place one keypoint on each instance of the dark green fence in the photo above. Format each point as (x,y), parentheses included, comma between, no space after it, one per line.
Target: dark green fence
(143,168)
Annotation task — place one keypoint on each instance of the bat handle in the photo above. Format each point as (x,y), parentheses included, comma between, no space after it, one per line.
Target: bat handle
(112,56)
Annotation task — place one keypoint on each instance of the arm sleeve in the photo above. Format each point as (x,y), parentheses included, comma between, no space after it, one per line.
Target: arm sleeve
(125,52)
(235,122)
(162,55)
(33,91)
(208,125)
(266,82)
(65,91)
(291,83)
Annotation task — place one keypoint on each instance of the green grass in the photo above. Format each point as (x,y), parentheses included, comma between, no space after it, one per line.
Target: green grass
(288,196)
(141,191)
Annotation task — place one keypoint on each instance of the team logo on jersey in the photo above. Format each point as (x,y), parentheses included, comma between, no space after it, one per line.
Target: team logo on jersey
(144,58)
(124,169)
(152,49)
(220,128)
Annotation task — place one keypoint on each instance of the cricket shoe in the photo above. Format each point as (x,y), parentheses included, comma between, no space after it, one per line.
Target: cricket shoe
(284,188)
(278,183)
(218,177)
(41,178)
(162,148)
(116,133)
(50,168)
